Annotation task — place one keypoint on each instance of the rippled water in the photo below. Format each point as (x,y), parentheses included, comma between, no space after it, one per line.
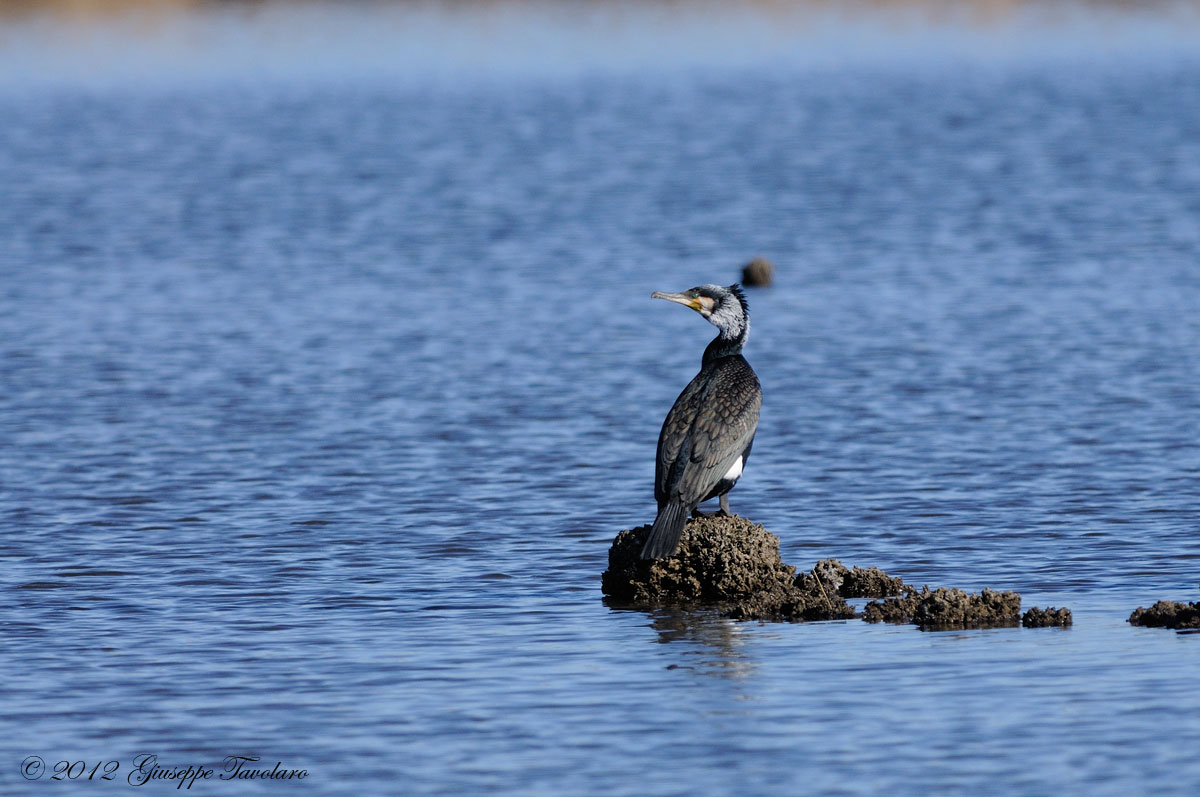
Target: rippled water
(321,401)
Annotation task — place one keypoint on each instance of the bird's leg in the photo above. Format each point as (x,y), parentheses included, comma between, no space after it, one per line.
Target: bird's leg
(696,513)
(724,510)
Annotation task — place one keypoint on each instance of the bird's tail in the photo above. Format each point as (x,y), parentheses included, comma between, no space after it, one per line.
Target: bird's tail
(665,533)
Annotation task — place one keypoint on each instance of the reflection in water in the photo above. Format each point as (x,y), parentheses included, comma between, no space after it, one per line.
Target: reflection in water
(717,640)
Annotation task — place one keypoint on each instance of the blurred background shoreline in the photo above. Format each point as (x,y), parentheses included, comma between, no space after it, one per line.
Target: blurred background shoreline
(93,43)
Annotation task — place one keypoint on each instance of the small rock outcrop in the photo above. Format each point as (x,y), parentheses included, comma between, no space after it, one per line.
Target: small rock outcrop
(1046,618)
(732,565)
(727,563)
(947,608)
(858,582)
(758,273)
(1167,614)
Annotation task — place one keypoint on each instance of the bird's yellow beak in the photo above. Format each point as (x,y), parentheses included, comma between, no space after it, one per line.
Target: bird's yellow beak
(679,298)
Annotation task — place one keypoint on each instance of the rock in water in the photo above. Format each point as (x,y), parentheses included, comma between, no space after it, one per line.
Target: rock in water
(947,608)
(727,563)
(732,565)
(860,582)
(1046,618)
(1168,614)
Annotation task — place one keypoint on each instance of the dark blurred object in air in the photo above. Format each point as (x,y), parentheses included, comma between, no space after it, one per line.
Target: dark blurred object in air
(758,273)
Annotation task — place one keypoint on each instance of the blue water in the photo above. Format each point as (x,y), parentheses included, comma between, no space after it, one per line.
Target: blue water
(321,400)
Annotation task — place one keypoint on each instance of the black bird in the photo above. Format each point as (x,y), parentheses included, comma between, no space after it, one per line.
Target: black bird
(707,435)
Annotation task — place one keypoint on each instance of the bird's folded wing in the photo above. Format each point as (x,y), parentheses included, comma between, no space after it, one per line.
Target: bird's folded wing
(674,440)
(722,429)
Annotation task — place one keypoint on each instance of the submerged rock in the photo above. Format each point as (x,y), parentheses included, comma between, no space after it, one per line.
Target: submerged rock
(947,608)
(1046,618)
(1167,614)
(759,272)
(727,563)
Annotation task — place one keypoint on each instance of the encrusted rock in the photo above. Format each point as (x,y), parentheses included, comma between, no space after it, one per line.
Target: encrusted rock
(827,574)
(727,563)
(895,610)
(1168,614)
(1046,618)
(857,582)
(947,608)
(732,565)
(759,272)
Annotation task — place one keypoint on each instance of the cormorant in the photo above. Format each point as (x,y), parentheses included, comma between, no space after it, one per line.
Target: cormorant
(707,435)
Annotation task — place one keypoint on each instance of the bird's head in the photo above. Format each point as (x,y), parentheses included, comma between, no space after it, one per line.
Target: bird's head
(725,308)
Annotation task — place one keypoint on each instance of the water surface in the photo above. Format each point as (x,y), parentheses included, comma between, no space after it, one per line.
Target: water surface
(324,391)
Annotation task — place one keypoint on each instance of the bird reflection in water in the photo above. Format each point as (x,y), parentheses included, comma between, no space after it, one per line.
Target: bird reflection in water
(716,641)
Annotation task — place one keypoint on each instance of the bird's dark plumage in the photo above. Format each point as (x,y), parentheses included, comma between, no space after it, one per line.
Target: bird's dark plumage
(707,436)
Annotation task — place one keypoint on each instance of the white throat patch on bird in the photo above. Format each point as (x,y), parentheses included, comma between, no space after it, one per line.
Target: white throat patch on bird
(723,307)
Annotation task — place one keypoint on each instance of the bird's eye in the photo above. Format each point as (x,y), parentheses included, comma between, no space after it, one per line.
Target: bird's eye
(695,294)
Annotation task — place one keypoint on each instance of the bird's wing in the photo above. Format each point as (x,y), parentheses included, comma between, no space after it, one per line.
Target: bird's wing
(721,416)
(676,433)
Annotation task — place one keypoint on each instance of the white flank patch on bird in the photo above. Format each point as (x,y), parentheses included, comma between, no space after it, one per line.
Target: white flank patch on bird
(735,470)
